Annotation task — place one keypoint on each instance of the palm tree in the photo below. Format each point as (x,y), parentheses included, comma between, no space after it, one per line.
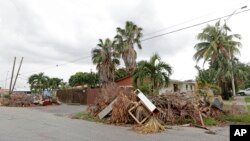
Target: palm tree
(38,82)
(218,48)
(155,71)
(54,84)
(126,39)
(106,60)
(215,41)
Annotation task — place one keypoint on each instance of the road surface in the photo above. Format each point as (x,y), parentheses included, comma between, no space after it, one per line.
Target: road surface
(53,124)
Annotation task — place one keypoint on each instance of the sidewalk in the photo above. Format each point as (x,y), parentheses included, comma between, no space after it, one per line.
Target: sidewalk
(240,102)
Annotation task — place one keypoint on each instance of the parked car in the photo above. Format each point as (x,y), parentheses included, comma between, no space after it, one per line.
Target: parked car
(244,92)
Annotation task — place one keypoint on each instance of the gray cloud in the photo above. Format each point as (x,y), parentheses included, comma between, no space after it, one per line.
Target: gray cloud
(51,32)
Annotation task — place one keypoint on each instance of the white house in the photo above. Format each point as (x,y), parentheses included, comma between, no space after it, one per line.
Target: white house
(179,86)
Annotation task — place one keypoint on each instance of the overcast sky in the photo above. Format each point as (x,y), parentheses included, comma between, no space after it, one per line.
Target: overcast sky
(52,34)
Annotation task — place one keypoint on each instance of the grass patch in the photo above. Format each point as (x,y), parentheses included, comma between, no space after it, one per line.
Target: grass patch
(247,99)
(243,118)
(248,107)
(211,121)
(86,116)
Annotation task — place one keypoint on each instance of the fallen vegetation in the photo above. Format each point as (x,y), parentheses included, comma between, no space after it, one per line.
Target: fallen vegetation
(86,116)
(26,100)
(171,109)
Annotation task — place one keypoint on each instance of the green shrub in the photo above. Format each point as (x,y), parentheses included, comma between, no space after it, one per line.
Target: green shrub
(210,121)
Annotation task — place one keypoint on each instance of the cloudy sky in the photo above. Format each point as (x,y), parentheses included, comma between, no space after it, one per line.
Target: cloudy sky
(57,36)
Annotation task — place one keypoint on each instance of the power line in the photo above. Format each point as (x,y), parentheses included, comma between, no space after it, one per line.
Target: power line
(156,36)
(58,65)
(162,29)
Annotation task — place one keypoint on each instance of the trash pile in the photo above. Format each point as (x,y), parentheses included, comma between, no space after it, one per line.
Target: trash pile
(26,100)
(149,115)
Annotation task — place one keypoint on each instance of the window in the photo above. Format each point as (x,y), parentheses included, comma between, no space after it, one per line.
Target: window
(186,87)
(191,87)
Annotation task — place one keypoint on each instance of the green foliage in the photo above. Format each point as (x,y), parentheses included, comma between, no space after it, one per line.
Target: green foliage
(120,73)
(210,121)
(54,83)
(243,118)
(154,72)
(219,48)
(146,89)
(247,99)
(126,39)
(205,76)
(106,60)
(86,116)
(244,70)
(82,78)
(215,41)
(38,82)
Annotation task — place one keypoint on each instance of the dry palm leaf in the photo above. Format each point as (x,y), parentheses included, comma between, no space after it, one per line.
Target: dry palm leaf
(153,125)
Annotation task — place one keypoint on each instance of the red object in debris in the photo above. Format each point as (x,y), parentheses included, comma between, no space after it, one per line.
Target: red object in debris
(47,102)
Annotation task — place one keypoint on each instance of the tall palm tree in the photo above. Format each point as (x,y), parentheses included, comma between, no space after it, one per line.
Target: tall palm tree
(153,71)
(126,39)
(106,60)
(38,82)
(215,41)
(218,48)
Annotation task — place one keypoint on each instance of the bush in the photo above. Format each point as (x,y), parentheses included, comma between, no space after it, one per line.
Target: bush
(146,89)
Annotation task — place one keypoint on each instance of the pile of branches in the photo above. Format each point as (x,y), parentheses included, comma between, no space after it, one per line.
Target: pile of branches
(175,107)
(20,100)
(123,103)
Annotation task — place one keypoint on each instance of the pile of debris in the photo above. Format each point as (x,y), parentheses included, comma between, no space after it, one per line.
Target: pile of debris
(45,101)
(26,100)
(149,115)
(17,100)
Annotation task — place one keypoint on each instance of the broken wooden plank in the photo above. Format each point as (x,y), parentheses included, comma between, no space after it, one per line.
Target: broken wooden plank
(134,117)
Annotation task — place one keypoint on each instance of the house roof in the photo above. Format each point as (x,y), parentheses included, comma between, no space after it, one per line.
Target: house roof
(128,76)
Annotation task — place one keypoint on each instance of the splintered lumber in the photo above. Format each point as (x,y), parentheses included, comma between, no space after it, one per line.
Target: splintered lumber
(106,110)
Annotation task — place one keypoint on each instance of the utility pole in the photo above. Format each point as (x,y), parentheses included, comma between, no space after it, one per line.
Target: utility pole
(13,69)
(17,74)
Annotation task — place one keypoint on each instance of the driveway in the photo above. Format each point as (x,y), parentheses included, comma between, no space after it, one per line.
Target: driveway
(44,124)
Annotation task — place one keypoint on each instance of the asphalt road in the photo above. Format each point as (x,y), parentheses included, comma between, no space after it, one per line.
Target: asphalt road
(52,124)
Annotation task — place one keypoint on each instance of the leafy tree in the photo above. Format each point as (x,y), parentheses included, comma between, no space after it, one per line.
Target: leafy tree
(54,83)
(120,73)
(82,78)
(38,82)
(126,39)
(241,74)
(77,79)
(153,72)
(106,59)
